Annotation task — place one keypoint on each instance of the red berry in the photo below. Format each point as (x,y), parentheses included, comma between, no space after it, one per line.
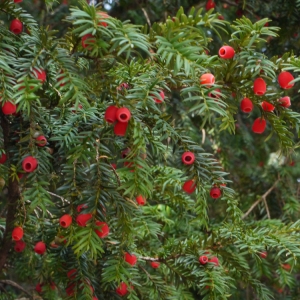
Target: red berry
(189,186)
(41,141)
(72,274)
(216,94)
(226,52)
(162,96)
(103,230)
(114,166)
(9,108)
(214,260)
(155,264)
(123,114)
(259,125)
(188,158)
(140,200)
(130,258)
(87,40)
(286,266)
(82,219)
(215,193)
(29,164)
(284,79)
(285,101)
(111,114)
(122,289)
(246,105)
(80,207)
(40,248)
(3,158)
(210,4)
(70,290)
(263,254)
(102,15)
(18,1)
(203,259)
(38,288)
(65,221)
(266,106)
(259,86)
(17,233)
(16,26)
(207,79)
(40,74)
(120,128)
(19,246)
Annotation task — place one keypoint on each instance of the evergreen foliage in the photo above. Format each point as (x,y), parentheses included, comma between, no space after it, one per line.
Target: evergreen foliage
(250,234)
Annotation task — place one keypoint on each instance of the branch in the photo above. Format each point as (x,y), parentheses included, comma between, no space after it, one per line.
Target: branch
(262,198)
(14,284)
(146,16)
(13,197)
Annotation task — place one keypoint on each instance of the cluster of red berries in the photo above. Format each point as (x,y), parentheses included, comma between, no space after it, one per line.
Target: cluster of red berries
(119,115)
(188,158)
(203,259)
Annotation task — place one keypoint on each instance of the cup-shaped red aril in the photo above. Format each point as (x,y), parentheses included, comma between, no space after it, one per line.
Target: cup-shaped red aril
(102,15)
(3,158)
(40,74)
(72,274)
(267,106)
(130,258)
(189,186)
(70,290)
(214,260)
(226,52)
(140,200)
(215,193)
(285,101)
(110,115)
(259,86)
(29,164)
(210,4)
(215,94)
(40,248)
(259,125)
(16,26)
(123,114)
(82,219)
(207,79)
(20,246)
(284,79)
(39,287)
(41,141)
(122,289)
(65,221)
(9,108)
(17,233)
(103,230)
(18,1)
(87,40)
(155,264)
(188,158)
(80,207)
(203,259)
(125,152)
(161,99)
(120,128)
(263,254)
(246,105)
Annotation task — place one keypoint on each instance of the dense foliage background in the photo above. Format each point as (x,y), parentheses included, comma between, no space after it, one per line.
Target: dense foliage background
(252,229)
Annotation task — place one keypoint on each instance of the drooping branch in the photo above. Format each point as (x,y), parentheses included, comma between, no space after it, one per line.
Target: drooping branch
(17,286)
(13,196)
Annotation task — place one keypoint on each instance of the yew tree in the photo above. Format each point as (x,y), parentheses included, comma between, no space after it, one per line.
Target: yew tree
(154,161)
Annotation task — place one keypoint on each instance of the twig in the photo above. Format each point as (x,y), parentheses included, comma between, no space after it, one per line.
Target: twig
(230,3)
(267,208)
(262,198)
(14,284)
(147,258)
(203,136)
(62,198)
(146,16)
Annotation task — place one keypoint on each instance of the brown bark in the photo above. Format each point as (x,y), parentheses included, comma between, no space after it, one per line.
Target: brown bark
(13,196)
